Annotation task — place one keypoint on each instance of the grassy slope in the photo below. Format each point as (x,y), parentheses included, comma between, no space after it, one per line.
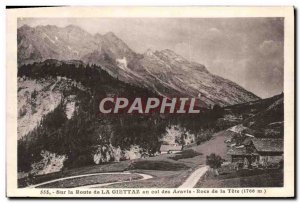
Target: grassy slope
(215,145)
(116,167)
(173,179)
(113,167)
(263,178)
(169,177)
(98,179)
(162,179)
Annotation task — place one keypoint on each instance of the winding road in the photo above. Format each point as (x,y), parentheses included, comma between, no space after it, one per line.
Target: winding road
(190,182)
(144,177)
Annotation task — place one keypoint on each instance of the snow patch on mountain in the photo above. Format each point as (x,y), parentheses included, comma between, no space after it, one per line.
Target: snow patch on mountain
(70,106)
(122,63)
(51,40)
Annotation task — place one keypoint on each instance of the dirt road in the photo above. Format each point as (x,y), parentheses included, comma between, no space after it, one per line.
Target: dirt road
(192,180)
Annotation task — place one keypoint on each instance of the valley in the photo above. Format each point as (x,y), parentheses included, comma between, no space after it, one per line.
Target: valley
(65,140)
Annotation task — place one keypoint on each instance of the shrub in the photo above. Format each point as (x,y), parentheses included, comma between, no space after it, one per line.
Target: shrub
(173,135)
(103,154)
(204,135)
(281,164)
(82,160)
(214,161)
(22,111)
(50,163)
(133,153)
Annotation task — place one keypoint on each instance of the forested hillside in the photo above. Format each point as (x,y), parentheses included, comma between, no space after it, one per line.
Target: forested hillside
(82,135)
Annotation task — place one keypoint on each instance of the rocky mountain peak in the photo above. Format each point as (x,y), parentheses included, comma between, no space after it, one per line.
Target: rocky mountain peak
(111,35)
(73,28)
(149,52)
(165,71)
(24,27)
(98,36)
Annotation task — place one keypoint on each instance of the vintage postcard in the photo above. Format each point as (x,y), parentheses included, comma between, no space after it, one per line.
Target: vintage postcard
(150,102)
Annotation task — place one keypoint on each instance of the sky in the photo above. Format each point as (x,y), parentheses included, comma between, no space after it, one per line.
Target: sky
(248,51)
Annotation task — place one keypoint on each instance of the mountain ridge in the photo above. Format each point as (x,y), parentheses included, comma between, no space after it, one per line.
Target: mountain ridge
(165,71)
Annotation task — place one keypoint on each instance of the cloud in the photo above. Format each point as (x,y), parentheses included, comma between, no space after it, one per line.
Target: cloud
(271,47)
(183,49)
(213,33)
(266,68)
(214,30)
(233,69)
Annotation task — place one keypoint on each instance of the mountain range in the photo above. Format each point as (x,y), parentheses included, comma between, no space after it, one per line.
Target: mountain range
(164,72)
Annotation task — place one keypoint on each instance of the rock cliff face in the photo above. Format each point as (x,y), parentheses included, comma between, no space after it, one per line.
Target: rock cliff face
(37,98)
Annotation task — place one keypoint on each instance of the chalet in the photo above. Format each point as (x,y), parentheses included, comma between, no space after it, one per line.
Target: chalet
(269,150)
(238,128)
(262,151)
(184,147)
(170,149)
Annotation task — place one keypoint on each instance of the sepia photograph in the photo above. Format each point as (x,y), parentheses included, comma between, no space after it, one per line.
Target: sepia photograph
(126,104)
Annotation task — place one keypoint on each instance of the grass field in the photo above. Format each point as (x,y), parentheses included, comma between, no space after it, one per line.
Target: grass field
(173,179)
(189,153)
(112,167)
(97,179)
(162,179)
(160,166)
(168,170)
(215,145)
(243,178)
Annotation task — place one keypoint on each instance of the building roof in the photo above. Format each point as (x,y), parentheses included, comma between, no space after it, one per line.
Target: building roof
(268,144)
(166,148)
(247,141)
(252,133)
(239,151)
(249,135)
(238,128)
